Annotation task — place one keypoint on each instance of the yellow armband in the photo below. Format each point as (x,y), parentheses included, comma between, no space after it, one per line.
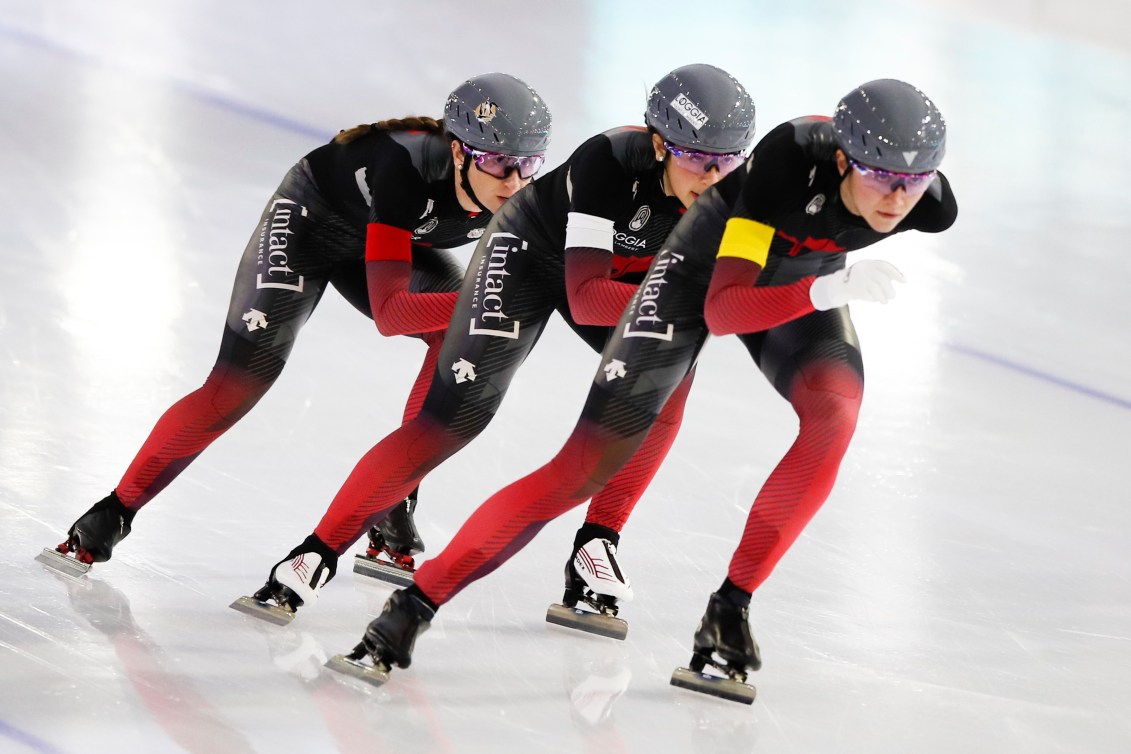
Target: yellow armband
(746,239)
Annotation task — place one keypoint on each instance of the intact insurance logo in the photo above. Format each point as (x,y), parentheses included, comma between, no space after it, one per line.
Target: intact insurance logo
(645,320)
(274,242)
(490,285)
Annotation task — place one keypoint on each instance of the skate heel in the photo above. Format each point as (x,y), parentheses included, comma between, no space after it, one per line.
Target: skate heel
(600,623)
(725,688)
(400,571)
(354,666)
(58,560)
(279,612)
(397,540)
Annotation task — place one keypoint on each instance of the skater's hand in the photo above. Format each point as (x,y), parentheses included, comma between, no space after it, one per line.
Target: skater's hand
(866,280)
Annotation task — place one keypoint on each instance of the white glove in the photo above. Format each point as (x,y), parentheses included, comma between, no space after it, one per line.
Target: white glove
(866,280)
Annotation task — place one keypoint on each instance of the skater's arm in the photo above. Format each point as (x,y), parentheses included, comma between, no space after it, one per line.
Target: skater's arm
(388,270)
(734,304)
(601,188)
(594,298)
(778,175)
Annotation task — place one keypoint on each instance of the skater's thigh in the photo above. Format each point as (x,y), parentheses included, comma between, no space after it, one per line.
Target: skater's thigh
(806,346)
(285,268)
(653,348)
(512,286)
(435,271)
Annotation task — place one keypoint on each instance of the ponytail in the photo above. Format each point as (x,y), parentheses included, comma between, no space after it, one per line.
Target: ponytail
(410,123)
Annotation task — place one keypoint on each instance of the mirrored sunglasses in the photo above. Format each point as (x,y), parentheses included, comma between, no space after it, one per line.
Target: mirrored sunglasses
(700,162)
(884,181)
(500,166)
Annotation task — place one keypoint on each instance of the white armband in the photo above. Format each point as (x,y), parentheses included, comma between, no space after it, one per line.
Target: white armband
(589,231)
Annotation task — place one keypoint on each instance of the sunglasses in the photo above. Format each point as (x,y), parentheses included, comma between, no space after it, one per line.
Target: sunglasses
(886,182)
(700,162)
(500,166)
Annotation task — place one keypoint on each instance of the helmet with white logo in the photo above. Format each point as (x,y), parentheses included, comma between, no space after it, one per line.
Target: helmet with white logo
(496,112)
(890,125)
(702,107)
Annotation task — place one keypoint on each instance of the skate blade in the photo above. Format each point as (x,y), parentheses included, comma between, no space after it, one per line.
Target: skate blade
(382,571)
(64,564)
(372,674)
(264,611)
(589,622)
(714,685)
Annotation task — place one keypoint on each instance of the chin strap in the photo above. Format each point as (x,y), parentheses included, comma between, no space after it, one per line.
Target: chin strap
(466,184)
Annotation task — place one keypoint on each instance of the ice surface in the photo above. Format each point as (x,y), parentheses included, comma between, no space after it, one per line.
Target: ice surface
(965,589)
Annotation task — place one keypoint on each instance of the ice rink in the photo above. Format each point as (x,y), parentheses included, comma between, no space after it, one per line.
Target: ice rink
(963,590)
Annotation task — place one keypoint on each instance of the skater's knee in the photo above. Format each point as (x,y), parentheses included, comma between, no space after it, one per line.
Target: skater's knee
(828,398)
(232,393)
(431,441)
(589,460)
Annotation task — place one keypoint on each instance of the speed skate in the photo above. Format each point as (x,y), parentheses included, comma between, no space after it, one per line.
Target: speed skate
(397,539)
(600,623)
(280,615)
(389,640)
(594,578)
(733,687)
(723,641)
(91,539)
(355,666)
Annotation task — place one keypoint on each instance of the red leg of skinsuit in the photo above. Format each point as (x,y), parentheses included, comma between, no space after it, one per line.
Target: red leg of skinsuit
(612,506)
(458,405)
(826,397)
(510,518)
(194,422)
(187,428)
(323,249)
(253,352)
(616,429)
(424,377)
(384,476)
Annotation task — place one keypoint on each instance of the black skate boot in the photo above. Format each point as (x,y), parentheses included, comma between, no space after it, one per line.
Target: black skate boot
(594,577)
(724,642)
(398,540)
(91,538)
(389,639)
(294,581)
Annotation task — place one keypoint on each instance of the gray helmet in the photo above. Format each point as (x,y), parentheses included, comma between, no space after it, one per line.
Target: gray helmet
(702,107)
(890,125)
(496,112)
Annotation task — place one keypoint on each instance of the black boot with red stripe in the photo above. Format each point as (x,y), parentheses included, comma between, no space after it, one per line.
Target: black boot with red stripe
(91,539)
(392,544)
